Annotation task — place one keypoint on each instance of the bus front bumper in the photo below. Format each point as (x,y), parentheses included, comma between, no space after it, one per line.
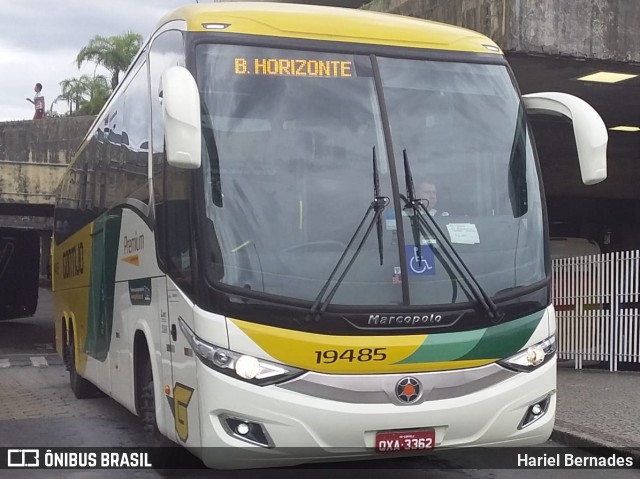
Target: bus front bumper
(302,428)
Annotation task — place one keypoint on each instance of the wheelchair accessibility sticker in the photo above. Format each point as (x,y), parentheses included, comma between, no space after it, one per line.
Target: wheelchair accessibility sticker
(426,265)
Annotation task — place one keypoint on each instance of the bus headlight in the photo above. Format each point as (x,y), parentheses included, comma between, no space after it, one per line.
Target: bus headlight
(531,358)
(240,366)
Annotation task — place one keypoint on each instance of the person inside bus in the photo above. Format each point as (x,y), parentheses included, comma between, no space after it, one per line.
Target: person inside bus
(38,102)
(428,192)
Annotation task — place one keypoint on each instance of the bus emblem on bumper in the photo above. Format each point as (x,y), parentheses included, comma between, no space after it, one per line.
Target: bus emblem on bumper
(408,390)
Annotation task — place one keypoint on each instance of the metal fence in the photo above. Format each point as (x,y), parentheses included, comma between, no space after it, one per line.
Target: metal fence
(597,302)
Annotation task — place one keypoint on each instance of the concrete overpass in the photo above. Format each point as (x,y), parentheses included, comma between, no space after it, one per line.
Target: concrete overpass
(33,156)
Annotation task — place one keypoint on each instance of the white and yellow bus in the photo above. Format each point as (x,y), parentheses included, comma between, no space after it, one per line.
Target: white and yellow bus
(230,266)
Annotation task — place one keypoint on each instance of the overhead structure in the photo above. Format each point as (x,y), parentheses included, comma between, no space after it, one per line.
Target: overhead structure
(587,48)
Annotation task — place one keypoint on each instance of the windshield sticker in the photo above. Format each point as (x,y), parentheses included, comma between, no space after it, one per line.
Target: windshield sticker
(295,67)
(390,221)
(428,240)
(463,233)
(397,275)
(423,264)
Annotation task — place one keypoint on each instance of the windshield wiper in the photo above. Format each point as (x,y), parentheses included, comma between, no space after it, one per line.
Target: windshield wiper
(378,205)
(376,197)
(415,225)
(411,193)
(430,228)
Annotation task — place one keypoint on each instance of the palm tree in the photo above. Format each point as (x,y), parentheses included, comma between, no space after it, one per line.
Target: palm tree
(114,53)
(85,95)
(96,87)
(72,93)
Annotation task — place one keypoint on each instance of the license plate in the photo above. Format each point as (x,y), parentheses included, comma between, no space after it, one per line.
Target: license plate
(387,442)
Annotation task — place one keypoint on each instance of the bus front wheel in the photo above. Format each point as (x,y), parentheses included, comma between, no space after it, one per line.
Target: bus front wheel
(147,402)
(171,455)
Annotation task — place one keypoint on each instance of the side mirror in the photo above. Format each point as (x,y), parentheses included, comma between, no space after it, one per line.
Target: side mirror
(589,130)
(182,123)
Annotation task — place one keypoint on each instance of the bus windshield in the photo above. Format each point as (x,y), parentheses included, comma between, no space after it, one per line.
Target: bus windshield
(291,142)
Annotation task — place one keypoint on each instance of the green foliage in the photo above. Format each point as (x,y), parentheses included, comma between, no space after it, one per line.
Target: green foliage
(85,95)
(88,94)
(114,53)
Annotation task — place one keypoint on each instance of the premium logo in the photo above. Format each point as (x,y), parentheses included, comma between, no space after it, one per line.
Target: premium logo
(408,390)
(133,245)
(131,248)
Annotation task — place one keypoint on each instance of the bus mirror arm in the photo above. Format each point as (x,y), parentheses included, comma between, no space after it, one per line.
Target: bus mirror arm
(182,123)
(589,130)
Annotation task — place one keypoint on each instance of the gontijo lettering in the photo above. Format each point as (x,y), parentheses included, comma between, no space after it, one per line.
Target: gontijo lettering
(73,261)
(294,67)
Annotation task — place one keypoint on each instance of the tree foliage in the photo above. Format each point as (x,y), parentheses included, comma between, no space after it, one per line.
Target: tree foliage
(114,53)
(88,94)
(85,95)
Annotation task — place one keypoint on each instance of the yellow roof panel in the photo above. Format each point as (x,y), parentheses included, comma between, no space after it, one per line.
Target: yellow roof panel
(330,24)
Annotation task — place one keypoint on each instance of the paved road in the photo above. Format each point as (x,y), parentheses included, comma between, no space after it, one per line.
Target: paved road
(26,338)
(37,409)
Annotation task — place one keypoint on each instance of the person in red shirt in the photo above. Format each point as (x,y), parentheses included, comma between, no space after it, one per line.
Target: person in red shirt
(38,102)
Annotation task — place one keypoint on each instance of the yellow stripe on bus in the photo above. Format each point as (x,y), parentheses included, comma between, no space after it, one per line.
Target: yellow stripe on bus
(345,354)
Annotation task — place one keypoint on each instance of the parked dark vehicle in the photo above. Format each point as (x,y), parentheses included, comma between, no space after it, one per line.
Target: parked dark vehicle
(19,272)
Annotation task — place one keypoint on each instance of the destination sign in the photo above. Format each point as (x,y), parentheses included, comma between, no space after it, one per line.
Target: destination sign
(295,67)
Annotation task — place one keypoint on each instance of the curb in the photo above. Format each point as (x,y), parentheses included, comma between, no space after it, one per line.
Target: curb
(574,439)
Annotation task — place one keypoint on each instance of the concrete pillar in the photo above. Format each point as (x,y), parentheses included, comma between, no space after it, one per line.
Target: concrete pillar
(45,256)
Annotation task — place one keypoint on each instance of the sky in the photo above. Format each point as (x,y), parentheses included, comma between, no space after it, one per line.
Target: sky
(39,41)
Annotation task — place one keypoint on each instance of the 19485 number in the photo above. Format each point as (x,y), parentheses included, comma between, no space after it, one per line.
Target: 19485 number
(329,356)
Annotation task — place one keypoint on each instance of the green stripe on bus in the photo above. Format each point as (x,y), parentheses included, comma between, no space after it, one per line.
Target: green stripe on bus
(506,339)
(499,341)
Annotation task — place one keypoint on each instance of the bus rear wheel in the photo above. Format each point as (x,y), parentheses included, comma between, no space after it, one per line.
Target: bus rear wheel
(81,388)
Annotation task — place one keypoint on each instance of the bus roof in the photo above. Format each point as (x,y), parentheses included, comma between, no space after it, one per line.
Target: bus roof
(330,24)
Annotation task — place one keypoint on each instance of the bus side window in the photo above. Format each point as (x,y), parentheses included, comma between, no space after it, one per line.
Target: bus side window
(171,185)
(174,226)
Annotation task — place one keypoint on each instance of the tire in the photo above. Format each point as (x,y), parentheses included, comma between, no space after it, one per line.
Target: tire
(81,388)
(147,404)
(166,454)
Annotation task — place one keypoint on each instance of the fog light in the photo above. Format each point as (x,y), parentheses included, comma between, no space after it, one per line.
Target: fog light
(247,431)
(535,412)
(242,428)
